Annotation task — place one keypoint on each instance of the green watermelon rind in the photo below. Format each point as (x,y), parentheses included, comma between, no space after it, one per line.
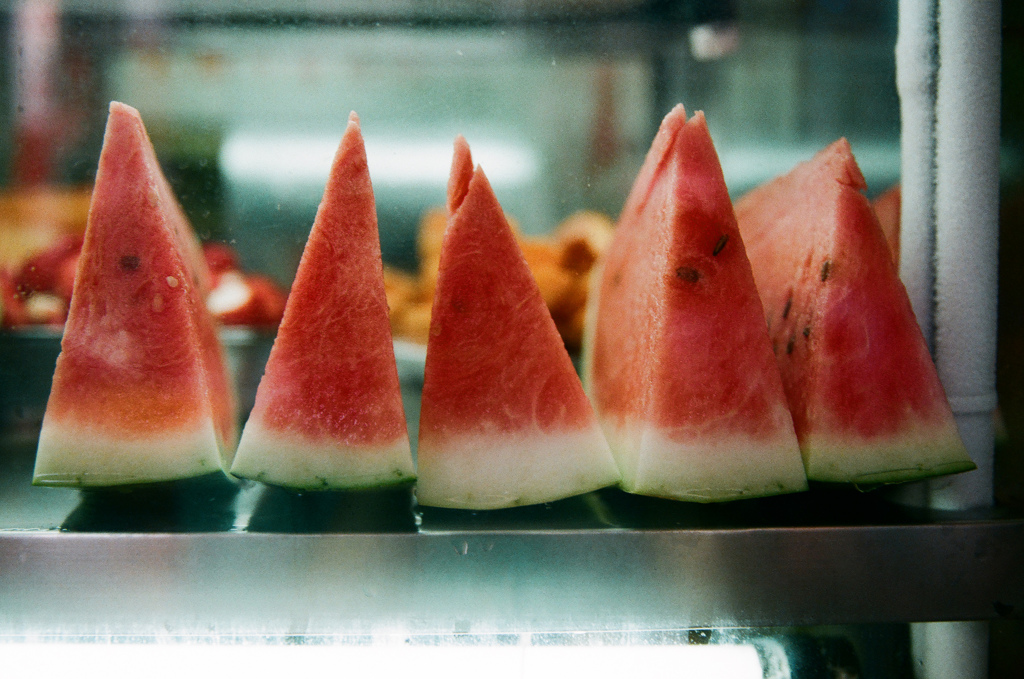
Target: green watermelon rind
(119,354)
(912,461)
(292,461)
(701,473)
(821,260)
(78,457)
(328,410)
(320,483)
(518,469)
(684,458)
(315,482)
(504,420)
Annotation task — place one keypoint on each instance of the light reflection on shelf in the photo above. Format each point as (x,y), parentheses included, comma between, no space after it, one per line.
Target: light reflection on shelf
(496,661)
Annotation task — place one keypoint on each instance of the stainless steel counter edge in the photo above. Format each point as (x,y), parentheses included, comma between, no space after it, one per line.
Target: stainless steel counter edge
(507,581)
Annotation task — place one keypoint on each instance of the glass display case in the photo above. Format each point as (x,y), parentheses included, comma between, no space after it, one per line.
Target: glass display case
(245,104)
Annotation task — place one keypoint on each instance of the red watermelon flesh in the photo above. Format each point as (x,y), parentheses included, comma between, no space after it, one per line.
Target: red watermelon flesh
(504,420)
(681,369)
(866,400)
(140,392)
(328,411)
(461,175)
(40,272)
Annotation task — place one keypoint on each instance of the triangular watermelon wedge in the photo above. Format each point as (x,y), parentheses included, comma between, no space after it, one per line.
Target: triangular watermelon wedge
(328,411)
(866,400)
(504,420)
(679,364)
(140,392)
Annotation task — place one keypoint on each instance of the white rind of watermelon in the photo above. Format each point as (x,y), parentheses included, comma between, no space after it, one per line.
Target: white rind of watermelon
(519,469)
(921,452)
(656,465)
(80,455)
(289,461)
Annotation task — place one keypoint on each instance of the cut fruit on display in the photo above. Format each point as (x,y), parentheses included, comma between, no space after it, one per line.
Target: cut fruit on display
(140,393)
(220,258)
(40,273)
(239,297)
(679,364)
(12,303)
(44,308)
(246,299)
(504,421)
(864,393)
(328,411)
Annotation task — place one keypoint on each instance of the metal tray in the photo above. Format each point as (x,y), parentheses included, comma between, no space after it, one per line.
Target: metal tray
(214,556)
(220,558)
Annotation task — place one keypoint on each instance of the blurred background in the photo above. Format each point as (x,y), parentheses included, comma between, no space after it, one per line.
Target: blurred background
(246,102)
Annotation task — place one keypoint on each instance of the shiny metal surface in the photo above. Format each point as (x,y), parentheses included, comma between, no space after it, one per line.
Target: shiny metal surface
(456,582)
(212,557)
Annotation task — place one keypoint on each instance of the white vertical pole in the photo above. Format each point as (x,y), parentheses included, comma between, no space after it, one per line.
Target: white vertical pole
(966,211)
(967,235)
(916,66)
(950,650)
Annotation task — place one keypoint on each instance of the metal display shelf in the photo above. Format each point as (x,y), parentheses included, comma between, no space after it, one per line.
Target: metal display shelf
(212,557)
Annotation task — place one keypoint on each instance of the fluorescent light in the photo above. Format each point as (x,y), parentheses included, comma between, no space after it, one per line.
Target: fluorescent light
(285,159)
(174,660)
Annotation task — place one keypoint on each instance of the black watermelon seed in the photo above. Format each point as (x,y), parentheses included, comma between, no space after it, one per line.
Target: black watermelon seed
(129,263)
(688,274)
(807,331)
(721,244)
(785,309)
(825,270)
(790,345)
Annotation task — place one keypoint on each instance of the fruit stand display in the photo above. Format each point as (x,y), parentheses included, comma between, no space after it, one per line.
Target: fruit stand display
(220,455)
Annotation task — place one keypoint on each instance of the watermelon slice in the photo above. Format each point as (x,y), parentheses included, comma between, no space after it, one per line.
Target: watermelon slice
(328,411)
(140,392)
(866,400)
(681,371)
(504,420)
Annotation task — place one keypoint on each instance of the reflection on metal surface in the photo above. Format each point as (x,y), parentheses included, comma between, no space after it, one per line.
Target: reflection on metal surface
(389,658)
(420,581)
